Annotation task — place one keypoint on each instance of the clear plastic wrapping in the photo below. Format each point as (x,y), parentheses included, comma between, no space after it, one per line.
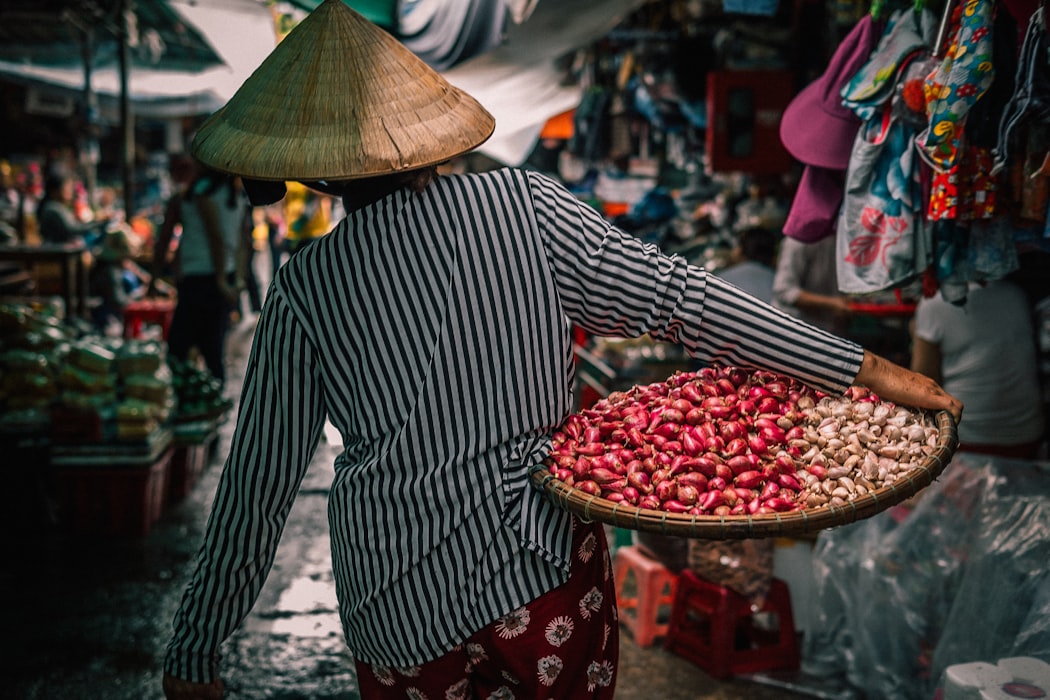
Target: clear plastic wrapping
(959,574)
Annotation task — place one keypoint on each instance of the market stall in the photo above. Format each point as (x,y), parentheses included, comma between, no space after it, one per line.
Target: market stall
(691,124)
(104,432)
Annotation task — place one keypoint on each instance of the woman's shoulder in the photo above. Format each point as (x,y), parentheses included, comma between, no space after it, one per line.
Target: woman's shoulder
(494,175)
(501,182)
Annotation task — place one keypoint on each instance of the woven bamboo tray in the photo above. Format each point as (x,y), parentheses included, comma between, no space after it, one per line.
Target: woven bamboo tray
(737,527)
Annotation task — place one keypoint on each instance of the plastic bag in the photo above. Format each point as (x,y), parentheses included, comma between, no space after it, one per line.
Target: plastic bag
(963,575)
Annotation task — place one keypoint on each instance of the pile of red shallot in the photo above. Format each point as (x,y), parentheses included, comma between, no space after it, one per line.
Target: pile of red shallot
(730,441)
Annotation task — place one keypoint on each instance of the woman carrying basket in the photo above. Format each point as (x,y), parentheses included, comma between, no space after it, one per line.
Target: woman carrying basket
(431,327)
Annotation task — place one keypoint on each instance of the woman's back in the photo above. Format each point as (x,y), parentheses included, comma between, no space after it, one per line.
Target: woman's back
(194,252)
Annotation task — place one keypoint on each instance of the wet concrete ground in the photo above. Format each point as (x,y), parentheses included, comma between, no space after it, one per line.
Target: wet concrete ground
(87,618)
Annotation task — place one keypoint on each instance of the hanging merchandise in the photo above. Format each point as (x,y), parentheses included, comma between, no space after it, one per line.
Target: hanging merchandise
(907,34)
(1031,99)
(882,237)
(965,253)
(621,139)
(972,187)
(815,208)
(982,123)
(964,75)
(590,137)
(993,252)
(1029,181)
(967,191)
(818,130)
(882,241)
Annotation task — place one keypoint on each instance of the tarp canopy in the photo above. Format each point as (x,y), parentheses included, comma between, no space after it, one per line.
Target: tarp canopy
(519,81)
(63,33)
(236,34)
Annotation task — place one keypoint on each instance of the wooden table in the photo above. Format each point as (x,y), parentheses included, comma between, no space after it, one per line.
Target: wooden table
(70,259)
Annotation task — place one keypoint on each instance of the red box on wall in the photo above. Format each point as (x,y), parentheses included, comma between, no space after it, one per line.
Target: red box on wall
(744,109)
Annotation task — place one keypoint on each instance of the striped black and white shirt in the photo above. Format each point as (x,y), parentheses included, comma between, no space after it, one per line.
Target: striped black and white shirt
(432,330)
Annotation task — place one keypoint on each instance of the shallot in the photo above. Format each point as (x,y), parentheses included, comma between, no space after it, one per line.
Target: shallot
(724,440)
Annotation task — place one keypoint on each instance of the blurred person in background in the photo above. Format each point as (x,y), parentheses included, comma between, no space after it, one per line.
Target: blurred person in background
(251,286)
(752,262)
(116,279)
(209,265)
(12,206)
(806,284)
(983,351)
(56,216)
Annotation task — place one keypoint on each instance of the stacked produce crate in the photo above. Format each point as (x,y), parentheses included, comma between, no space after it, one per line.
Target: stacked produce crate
(104,431)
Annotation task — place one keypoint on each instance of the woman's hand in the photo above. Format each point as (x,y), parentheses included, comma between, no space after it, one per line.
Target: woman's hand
(179,689)
(894,383)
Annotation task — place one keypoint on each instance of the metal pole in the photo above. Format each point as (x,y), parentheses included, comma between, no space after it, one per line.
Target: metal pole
(127,117)
(87,139)
(942,31)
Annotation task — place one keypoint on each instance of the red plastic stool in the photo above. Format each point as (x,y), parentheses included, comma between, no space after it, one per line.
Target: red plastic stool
(715,628)
(654,587)
(155,311)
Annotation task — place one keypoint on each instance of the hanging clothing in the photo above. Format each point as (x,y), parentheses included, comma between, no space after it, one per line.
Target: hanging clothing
(1031,98)
(882,233)
(964,75)
(966,191)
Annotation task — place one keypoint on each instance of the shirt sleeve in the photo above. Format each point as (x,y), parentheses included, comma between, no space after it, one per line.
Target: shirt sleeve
(929,320)
(613,284)
(280,419)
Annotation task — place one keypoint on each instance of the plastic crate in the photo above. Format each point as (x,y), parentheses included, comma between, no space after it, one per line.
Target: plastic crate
(714,627)
(187,465)
(193,445)
(157,312)
(77,426)
(122,500)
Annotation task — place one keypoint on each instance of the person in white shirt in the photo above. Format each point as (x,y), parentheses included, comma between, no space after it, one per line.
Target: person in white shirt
(806,284)
(983,351)
(210,264)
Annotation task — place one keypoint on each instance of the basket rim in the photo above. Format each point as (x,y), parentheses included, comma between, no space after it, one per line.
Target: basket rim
(754,526)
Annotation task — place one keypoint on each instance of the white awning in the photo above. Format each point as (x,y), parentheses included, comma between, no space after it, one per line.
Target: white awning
(241,31)
(519,81)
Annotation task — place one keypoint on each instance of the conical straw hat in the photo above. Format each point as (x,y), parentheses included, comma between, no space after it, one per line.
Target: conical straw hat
(340,99)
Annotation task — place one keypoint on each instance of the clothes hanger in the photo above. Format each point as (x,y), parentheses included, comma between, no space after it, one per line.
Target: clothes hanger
(940,43)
